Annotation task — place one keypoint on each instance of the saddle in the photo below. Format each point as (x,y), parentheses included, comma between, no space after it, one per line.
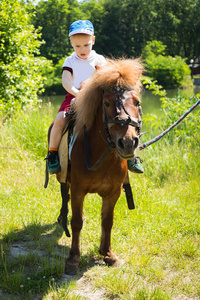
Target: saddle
(63,152)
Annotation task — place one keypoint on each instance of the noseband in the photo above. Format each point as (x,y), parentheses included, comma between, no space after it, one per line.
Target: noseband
(119,91)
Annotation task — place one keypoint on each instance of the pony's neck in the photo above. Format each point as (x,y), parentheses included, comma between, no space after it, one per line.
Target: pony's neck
(98,140)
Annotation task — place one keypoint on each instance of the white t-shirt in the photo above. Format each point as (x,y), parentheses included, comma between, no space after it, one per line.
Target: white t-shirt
(81,69)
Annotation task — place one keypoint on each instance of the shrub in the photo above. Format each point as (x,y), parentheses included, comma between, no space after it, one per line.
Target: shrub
(153,48)
(187,131)
(21,72)
(168,71)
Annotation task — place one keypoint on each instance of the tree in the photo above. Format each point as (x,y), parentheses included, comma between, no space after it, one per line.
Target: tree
(21,72)
(54,18)
(126,26)
(94,11)
(177,25)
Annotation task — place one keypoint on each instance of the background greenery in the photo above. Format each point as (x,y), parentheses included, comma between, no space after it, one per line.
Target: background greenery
(33,38)
(158,241)
(122,28)
(125,29)
(21,71)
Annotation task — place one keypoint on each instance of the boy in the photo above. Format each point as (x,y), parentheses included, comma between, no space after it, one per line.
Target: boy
(76,69)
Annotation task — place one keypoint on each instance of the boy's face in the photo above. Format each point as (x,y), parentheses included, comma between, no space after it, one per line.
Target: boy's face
(82,44)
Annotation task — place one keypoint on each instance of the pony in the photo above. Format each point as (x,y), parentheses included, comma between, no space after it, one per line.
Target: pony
(107,129)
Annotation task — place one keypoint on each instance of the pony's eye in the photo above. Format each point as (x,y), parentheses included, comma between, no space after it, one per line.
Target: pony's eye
(106,104)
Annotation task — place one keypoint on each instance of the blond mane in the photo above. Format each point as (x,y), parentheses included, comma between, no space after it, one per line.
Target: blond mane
(123,72)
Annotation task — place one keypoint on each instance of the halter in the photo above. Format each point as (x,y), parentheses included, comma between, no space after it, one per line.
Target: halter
(118,91)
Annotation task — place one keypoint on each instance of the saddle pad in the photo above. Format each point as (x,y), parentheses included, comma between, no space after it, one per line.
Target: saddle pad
(63,156)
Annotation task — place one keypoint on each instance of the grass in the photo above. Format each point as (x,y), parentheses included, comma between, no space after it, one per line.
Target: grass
(158,241)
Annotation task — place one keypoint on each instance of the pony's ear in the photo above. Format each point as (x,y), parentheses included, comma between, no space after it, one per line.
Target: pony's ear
(97,67)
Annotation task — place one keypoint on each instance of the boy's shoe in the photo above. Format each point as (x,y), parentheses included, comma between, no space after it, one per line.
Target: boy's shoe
(53,162)
(134,166)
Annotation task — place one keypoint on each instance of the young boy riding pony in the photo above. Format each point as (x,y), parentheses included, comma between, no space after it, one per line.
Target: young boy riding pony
(78,67)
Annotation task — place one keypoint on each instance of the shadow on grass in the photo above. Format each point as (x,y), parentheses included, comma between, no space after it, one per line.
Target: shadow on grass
(32,260)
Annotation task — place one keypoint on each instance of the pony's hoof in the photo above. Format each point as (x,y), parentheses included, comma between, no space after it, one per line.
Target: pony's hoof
(71,269)
(72,266)
(112,261)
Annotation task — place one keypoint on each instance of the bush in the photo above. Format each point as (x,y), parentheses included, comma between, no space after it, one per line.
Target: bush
(153,48)
(21,72)
(187,131)
(168,71)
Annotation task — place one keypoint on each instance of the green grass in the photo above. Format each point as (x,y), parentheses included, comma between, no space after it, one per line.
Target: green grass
(158,241)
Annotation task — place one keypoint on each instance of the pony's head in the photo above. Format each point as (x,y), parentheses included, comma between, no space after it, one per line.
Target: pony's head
(121,72)
(113,90)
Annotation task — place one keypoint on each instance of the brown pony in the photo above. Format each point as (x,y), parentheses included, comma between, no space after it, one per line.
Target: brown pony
(107,127)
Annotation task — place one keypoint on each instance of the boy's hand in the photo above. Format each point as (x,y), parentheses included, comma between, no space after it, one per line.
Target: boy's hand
(73,103)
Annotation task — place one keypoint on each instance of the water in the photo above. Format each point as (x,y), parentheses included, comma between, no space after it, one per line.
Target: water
(150,103)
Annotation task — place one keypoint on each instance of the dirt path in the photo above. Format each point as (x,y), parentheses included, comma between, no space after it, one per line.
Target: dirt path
(83,288)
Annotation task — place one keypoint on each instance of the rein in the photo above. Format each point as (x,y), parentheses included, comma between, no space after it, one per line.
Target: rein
(118,91)
(103,157)
(157,138)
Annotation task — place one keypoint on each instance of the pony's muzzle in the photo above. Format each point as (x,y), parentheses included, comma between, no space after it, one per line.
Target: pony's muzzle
(126,147)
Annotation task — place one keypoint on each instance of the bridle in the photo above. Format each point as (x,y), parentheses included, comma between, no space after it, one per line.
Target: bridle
(118,91)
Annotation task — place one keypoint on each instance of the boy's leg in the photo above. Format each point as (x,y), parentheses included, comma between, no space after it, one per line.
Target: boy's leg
(55,138)
(56,131)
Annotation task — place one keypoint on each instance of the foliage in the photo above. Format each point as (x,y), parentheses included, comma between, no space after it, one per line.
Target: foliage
(122,28)
(54,17)
(176,24)
(168,71)
(94,10)
(21,72)
(187,132)
(53,83)
(153,48)
(130,28)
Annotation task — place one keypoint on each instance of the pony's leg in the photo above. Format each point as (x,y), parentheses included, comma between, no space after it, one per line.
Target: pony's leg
(62,219)
(107,214)
(73,260)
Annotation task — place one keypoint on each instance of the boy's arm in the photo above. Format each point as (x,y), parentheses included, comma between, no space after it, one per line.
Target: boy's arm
(67,83)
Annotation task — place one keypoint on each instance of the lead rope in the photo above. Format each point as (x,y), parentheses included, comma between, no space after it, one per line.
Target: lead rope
(157,138)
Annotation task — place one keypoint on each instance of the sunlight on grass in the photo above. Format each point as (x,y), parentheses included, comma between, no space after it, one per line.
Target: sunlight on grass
(158,241)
